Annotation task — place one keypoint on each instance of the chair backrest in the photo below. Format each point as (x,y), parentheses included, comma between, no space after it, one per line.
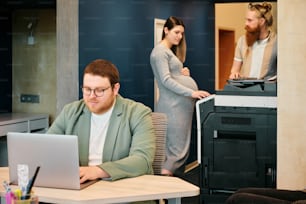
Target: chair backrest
(160,129)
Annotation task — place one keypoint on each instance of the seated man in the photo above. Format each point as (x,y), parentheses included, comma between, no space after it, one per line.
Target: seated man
(116,135)
(266,196)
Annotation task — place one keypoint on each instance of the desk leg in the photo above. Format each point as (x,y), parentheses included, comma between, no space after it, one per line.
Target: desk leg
(174,201)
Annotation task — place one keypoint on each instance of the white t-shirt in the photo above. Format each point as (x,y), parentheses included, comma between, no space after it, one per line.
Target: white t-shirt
(258,50)
(98,130)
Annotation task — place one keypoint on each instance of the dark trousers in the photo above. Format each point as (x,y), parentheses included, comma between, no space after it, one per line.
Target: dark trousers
(266,196)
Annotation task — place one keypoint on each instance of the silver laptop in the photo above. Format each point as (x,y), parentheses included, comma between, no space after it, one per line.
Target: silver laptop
(57,156)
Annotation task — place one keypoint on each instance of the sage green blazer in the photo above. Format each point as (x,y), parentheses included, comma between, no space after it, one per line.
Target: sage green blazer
(129,147)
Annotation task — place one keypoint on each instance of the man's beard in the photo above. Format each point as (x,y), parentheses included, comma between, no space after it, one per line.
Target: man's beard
(252,35)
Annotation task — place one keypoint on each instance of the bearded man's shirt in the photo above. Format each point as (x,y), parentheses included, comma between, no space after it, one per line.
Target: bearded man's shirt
(259,59)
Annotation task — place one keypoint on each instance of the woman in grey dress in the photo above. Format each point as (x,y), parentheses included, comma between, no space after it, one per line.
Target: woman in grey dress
(177,93)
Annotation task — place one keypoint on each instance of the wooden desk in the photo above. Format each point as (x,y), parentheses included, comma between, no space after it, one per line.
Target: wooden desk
(147,187)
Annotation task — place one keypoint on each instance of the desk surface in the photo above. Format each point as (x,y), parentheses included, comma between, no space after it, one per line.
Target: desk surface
(146,187)
(23,122)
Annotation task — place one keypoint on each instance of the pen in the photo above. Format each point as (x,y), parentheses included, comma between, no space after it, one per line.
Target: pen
(30,185)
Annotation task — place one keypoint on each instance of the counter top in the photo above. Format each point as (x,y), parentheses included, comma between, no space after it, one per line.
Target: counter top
(9,118)
(23,122)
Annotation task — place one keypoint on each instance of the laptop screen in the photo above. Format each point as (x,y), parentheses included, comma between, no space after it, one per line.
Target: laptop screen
(57,156)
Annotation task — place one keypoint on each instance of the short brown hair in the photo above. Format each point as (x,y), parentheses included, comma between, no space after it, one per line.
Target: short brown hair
(103,68)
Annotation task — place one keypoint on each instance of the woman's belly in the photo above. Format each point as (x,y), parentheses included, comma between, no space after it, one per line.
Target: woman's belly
(186,81)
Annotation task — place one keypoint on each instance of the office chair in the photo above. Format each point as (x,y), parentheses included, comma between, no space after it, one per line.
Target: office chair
(160,128)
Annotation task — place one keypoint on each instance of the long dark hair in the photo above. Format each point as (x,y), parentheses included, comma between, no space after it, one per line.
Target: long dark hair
(180,49)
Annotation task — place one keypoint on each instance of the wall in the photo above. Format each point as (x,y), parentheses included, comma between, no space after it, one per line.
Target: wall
(291,138)
(122,31)
(236,11)
(129,50)
(67,56)
(235,23)
(34,65)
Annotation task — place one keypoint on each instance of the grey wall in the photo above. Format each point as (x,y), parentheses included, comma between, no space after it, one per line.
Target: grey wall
(122,31)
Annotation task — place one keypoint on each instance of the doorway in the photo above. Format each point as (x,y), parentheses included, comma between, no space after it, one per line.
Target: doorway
(226,52)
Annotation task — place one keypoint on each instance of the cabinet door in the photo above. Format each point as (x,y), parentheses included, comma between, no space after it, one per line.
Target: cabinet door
(39,125)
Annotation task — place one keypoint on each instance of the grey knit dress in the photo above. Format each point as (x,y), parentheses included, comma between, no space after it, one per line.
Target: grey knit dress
(175,100)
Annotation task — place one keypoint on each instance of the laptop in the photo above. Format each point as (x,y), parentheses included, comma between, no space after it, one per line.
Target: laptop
(56,155)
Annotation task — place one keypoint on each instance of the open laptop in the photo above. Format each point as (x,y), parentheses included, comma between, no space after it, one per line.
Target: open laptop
(57,156)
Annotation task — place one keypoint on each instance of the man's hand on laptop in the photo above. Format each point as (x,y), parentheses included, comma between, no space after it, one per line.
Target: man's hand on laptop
(92,173)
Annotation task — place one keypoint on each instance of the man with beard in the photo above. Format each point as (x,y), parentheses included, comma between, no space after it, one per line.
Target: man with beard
(115,134)
(256,51)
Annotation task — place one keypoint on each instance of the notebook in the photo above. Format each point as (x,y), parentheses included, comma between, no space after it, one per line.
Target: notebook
(57,156)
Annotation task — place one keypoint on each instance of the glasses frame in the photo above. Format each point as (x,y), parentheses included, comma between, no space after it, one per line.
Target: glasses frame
(94,91)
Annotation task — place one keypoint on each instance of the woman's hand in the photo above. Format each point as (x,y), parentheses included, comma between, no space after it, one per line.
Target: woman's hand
(200,94)
(185,71)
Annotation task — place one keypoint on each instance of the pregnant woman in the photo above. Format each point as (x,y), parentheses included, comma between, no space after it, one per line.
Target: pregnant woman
(177,94)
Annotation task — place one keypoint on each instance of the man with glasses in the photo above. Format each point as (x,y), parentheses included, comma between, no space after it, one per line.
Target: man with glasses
(256,51)
(116,136)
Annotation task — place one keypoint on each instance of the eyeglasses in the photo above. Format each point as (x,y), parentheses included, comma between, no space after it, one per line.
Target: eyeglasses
(98,92)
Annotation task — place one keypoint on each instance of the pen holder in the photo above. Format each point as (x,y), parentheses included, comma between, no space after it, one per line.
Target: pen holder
(32,200)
